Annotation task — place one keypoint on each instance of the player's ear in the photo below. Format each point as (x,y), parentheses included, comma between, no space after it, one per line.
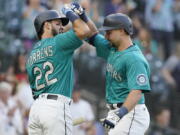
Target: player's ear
(47,26)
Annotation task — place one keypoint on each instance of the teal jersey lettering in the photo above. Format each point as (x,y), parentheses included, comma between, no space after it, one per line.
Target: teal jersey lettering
(126,70)
(49,65)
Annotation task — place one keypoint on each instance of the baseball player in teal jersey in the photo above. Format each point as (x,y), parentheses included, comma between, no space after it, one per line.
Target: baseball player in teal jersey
(127,74)
(50,71)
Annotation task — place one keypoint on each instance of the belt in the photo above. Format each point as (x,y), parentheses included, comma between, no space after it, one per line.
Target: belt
(57,97)
(114,106)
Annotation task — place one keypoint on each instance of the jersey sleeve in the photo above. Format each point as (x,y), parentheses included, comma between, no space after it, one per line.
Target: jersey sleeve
(68,41)
(138,76)
(102,45)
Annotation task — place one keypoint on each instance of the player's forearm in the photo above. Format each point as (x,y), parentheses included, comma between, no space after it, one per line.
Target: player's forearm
(92,27)
(81,29)
(76,8)
(132,99)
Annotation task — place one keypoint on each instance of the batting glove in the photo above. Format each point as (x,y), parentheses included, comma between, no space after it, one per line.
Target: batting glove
(111,120)
(76,7)
(67,11)
(113,117)
(66,8)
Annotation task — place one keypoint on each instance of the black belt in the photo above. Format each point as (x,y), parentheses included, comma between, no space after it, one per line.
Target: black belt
(54,97)
(49,96)
(35,97)
(114,106)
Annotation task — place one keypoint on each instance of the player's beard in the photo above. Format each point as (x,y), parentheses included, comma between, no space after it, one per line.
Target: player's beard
(55,32)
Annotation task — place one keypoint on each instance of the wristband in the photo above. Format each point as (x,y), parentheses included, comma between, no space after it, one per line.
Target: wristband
(84,17)
(122,111)
(92,38)
(71,16)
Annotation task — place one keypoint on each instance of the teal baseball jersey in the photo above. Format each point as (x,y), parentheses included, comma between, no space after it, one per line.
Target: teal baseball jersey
(49,65)
(126,70)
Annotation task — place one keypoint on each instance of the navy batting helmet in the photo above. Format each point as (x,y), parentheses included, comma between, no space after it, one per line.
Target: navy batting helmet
(118,21)
(47,16)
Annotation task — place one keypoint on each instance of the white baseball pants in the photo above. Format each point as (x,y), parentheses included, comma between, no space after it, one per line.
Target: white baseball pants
(50,117)
(136,122)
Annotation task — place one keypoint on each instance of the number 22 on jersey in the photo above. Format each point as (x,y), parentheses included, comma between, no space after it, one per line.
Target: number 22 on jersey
(48,81)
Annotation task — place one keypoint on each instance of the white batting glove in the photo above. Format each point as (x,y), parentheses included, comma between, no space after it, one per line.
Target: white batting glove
(111,120)
(113,117)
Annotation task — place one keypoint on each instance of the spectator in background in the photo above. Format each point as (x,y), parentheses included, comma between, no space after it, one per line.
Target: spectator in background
(171,69)
(130,6)
(31,10)
(47,3)
(91,9)
(10,116)
(114,6)
(11,78)
(159,18)
(81,108)
(161,124)
(23,92)
(25,100)
(176,7)
(171,73)
(137,25)
(140,6)
(12,12)
(146,43)
(16,76)
(58,4)
(19,67)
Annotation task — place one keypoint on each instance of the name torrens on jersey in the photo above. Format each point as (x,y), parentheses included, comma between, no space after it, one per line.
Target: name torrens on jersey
(40,54)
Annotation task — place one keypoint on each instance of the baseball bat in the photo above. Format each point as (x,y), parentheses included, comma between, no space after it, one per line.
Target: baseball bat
(78,121)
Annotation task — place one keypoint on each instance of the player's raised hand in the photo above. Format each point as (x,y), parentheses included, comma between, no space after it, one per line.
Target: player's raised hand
(66,8)
(76,7)
(69,13)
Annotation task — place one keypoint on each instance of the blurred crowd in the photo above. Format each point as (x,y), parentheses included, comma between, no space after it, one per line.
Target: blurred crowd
(156,32)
